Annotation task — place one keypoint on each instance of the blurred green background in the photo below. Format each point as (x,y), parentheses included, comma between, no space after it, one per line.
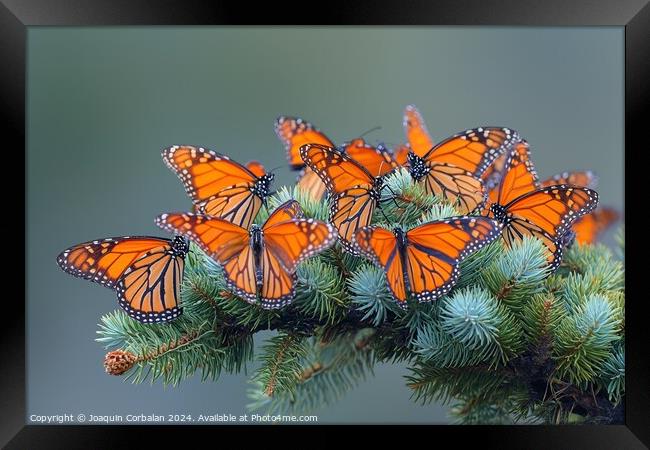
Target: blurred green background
(103,102)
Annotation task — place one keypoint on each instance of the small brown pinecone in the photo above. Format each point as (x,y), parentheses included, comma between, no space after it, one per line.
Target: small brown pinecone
(119,361)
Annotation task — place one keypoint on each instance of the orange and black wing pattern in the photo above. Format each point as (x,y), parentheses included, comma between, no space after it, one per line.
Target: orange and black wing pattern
(424,261)
(218,186)
(145,271)
(417,136)
(520,176)
(475,149)
(150,289)
(435,249)
(547,214)
(584,178)
(288,240)
(337,170)
(380,246)
(259,265)
(589,227)
(105,261)
(456,185)
(377,161)
(295,132)
(227,243)
(352,189)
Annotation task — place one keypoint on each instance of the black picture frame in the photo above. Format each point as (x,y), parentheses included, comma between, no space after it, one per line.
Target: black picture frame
(17,15)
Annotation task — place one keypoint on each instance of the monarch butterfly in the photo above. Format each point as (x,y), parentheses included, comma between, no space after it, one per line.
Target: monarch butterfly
(145,271)
(546,213)
(424,260)
(584,179)
(417,136)
(354,191)
(590,226)
(526,180)
(219,186)
(260,262)
(296,132)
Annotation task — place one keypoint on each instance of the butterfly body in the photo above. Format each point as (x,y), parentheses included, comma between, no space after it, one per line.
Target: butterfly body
(417,166)
(256,237)
(500,213)
(262,186)
(146,272)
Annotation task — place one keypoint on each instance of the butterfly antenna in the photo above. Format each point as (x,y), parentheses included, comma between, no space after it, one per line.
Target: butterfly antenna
(378,127)
(281,166)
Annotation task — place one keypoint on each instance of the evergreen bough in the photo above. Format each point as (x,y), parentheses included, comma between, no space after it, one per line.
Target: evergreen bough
(510,343)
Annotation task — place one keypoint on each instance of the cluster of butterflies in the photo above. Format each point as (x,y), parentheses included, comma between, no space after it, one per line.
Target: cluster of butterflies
(487,173)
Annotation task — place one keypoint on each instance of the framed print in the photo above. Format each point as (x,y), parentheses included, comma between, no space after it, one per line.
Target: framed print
(404,216)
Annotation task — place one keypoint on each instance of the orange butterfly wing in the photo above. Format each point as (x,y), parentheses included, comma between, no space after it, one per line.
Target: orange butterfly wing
(380,246)
(288,240)
(105,261)
(227,243)
(352,188)
(351,210)
(456,185)
(520,176)
(150,288)
(376,160)
(473,150)
(294,240)
(122,263)
(435,249)
(256,168)
(548,213)
(583,179)
(400,154)
(590,226)
(416,131)
(337,170)
(311,183)
(294,133)
(218,186)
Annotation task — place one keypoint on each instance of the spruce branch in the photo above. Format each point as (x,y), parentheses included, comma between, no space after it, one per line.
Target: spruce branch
(320,293)
(327,371)
(478,321)
(316,209)
(510,343)
(371,296)
(280,364)
(584,339)
(540,317)
(613,374)
(517,273)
